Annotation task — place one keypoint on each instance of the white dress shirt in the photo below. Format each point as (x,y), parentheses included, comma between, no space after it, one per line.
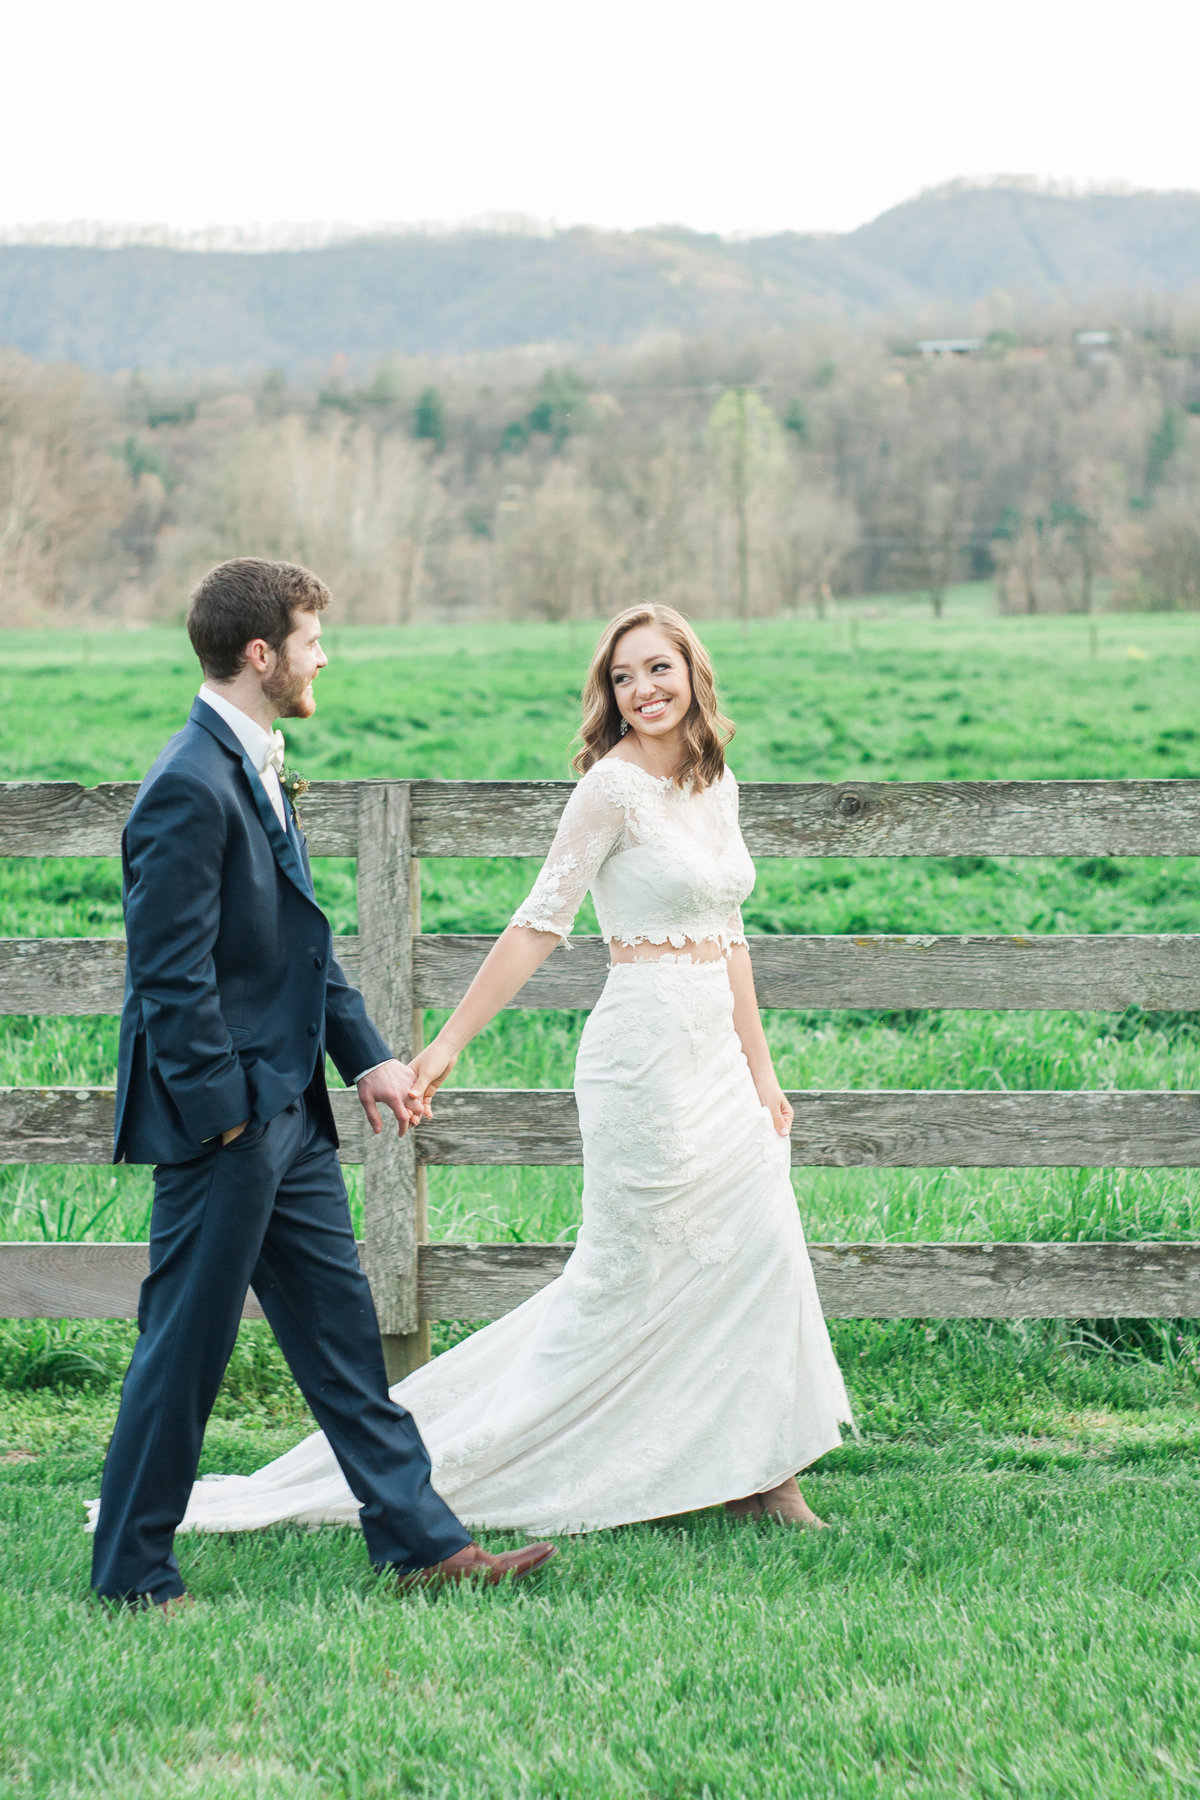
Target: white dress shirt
(257,744)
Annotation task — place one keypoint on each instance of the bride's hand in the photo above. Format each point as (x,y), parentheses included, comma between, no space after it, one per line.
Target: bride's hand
(780,1109)
(430,1069)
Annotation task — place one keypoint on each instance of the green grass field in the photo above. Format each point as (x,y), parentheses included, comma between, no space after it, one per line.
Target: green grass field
(1007,1603)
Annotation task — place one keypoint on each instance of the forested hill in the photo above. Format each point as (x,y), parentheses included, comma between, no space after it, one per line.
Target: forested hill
(163,308)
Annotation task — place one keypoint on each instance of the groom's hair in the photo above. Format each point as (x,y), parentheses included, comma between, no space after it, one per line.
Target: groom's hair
(244,599)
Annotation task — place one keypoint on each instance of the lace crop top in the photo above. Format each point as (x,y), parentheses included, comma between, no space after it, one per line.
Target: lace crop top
(665,865)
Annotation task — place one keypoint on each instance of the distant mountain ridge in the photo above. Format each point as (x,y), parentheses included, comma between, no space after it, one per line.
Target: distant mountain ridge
(161,309)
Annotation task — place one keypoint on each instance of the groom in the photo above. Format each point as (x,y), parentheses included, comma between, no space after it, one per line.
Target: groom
(232,998)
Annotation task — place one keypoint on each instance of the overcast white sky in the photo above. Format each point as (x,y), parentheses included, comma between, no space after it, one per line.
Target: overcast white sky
(744,116)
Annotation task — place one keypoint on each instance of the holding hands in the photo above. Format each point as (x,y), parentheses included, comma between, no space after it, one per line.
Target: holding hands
(405,1090)
(390,1085)
(430,1069)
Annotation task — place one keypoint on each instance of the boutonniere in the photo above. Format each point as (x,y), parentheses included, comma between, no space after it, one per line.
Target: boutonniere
(295,787)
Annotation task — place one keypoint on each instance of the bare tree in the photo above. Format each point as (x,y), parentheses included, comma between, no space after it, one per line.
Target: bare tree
(61,495)
(813,532)
(550,549)
(358,507)
(1173,550)
(746,441)
(1019,554)
(930,530)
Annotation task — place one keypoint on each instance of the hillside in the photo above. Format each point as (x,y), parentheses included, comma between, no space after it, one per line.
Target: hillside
(161,308)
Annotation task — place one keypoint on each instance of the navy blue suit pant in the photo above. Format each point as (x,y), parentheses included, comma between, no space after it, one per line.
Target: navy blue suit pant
(267,1211)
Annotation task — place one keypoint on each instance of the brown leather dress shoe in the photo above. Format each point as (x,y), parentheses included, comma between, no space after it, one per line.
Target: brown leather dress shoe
(474,1564)
(176,1604)
(142,1603)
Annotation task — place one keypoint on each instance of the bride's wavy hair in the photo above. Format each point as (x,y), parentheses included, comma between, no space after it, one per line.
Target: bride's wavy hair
(705,729)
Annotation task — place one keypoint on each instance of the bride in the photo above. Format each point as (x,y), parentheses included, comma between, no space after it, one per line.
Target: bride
(681,1359)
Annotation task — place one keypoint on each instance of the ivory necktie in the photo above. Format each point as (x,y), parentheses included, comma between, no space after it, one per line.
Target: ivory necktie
(274,756)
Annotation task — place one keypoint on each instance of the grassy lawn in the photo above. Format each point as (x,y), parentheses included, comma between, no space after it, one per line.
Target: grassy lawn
(1008,1602)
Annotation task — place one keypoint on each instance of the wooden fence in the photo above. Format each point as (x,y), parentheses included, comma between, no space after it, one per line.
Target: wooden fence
(388,826)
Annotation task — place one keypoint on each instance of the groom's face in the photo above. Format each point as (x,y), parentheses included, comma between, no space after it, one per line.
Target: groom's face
(288,683)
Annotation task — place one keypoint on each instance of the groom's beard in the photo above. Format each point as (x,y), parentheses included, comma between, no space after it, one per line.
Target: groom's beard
(288,691)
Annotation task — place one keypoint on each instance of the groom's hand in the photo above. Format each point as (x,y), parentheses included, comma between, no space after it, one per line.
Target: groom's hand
(389,1085)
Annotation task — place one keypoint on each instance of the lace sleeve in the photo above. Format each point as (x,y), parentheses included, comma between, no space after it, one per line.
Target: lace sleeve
(591,826)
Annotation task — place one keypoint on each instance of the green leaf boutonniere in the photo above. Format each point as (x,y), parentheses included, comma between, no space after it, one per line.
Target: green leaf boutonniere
(295,787)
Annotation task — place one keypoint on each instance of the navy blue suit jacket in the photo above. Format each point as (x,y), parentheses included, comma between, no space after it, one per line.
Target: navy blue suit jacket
(233,993)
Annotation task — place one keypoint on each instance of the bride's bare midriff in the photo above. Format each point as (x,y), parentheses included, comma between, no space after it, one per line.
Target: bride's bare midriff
(692,950)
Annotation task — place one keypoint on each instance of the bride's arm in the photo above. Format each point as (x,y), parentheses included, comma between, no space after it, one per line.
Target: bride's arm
(512,959)
(589,828)
(748,1025)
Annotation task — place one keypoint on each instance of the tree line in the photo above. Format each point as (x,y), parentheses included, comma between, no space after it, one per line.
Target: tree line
(762,476)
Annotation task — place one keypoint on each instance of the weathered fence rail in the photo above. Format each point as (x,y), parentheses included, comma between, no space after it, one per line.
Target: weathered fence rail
(856,1281)
(1026,974)
(855,1128)
(389,826)
(861,818)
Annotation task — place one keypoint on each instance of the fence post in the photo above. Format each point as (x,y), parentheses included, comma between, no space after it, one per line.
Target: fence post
(391,1191)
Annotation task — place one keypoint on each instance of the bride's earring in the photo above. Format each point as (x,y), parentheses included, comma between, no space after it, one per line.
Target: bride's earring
(624,726)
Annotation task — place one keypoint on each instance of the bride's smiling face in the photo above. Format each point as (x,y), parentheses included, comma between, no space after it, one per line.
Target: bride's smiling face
(651,682)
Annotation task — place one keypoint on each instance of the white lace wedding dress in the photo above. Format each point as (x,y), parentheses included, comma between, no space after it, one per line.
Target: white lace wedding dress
(681,1359)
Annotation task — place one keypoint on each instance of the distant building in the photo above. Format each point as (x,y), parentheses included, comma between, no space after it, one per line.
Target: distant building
(949,346)
(1093,346)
